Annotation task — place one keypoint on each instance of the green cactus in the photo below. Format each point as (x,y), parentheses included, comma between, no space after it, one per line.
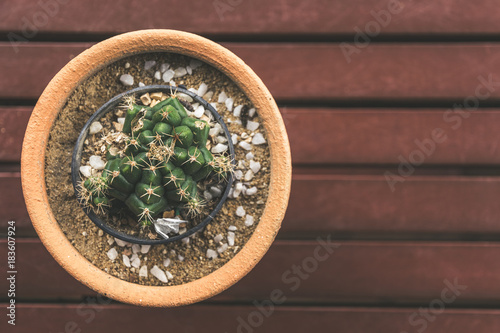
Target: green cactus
(164,159)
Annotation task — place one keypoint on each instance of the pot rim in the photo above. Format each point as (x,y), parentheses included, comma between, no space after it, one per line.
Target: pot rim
(52,101)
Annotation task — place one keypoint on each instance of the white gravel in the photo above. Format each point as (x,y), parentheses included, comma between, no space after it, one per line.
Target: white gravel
(249,220)
(219,148)
(180,72)
(245,145)
(169,275)
(95,127)
(136,248)
(234,138)
(232,228)
(240,211)
(149,64)
(252,125)
(238,174)
(164,67)
(211,254)
(218,238)
(258,139)
(254,166)
(143,272)
(199,112)
(237,110)
(145,248)
(222,248)
(251,112)
(126,260)
(249,175)
(229,104)
(86,170)
(202,89)
(166,262)
(127,79)
(207,195)
(215,130)
(159,274)
(249,156)
(230,238)
(120,242)
(158,75)
(112,254)
(136,262)
(237,189)
(195,63)
(222,97)
(221,139)
(251,191)
(168,75)
(189,70)
(215,191)
(96,162)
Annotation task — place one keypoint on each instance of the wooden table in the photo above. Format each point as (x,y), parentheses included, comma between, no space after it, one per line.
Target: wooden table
(391,112)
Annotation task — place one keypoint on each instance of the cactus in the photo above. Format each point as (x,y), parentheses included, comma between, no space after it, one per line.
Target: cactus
(159,169)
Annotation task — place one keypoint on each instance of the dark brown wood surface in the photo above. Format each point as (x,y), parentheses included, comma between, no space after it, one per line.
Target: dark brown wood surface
(350,120)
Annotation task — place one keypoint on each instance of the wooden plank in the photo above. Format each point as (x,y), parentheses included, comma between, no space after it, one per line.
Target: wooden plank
(320,204)
(102,318)
(311,72)
(256,17)
(353,273)
(351,136)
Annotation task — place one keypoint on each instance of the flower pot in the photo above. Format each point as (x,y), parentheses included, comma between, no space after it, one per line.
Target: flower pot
(54,98)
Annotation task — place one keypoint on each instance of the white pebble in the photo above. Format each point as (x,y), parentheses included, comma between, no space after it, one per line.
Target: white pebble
(111,241)
(251,112)
(222,248)
(127,65)
(238,174)
(200,110)
(136,262)
(245,145)
(185,240)
(249,220)
(232,228)
(164,67)
(240,211)
(237,189)
(149,64)
(234,138)
(254,166)
(208,196)
(229,104)
(252,125)
(189,70)
(180,72)
(214,105)
(120,242)
(181,258)
(145,248)
(258,139)
(169,275)
(126,260)
(86,170)
(218,238)
(208,96)
(230,238)
(249,156)
(251,191)
(194,91)
(127,79)
(136,248)
(168,75)
(172,83)
(221,139)
(143,272)
(222,97)
(141,84)
(237,110)
(95,127)
(249,175)
(121,120)
(195,63)
(112,254)
(166,262)
(185,96)
(215,130)
(211,254)
(202,89)
(159,274)
(158,75)
(216,192)
(96,162)
(219,148)
(134,256)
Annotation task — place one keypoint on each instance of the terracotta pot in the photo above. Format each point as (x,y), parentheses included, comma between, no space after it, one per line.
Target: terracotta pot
(52,101)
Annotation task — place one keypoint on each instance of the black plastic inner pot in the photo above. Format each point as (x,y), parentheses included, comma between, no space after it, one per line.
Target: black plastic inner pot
(111,105)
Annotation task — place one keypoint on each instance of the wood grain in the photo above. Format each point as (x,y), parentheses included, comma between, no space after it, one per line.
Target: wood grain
(102,318)
(381,72)
(354,272)
(261,17)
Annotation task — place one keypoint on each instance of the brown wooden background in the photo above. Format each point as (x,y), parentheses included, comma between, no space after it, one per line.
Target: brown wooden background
(347,122)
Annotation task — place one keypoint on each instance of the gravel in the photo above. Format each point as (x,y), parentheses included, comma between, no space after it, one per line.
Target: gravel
(136,248)
(258,139)
(240,211)
(230,238)
(168,75)
(136,262)
(222,97)
(195,63)
(96,162)
(219,148)
(166,262)
(143,272)
(249,175)
(86,170)
(158,75)
(229,104)
(199,112)
(251,191)
(164,67)
(252,125)
(126,260)
(112,254)
(237,110)
(95,127)
(254,166)
(202,89)
(180,72)
(245,145)
(249,220)
(211,254)
(222,248)
(159,274)
(232,228)
(145,248)
(249,156)
(149,64)
(127,79)
(218,238)
(216,192)
(120,242)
